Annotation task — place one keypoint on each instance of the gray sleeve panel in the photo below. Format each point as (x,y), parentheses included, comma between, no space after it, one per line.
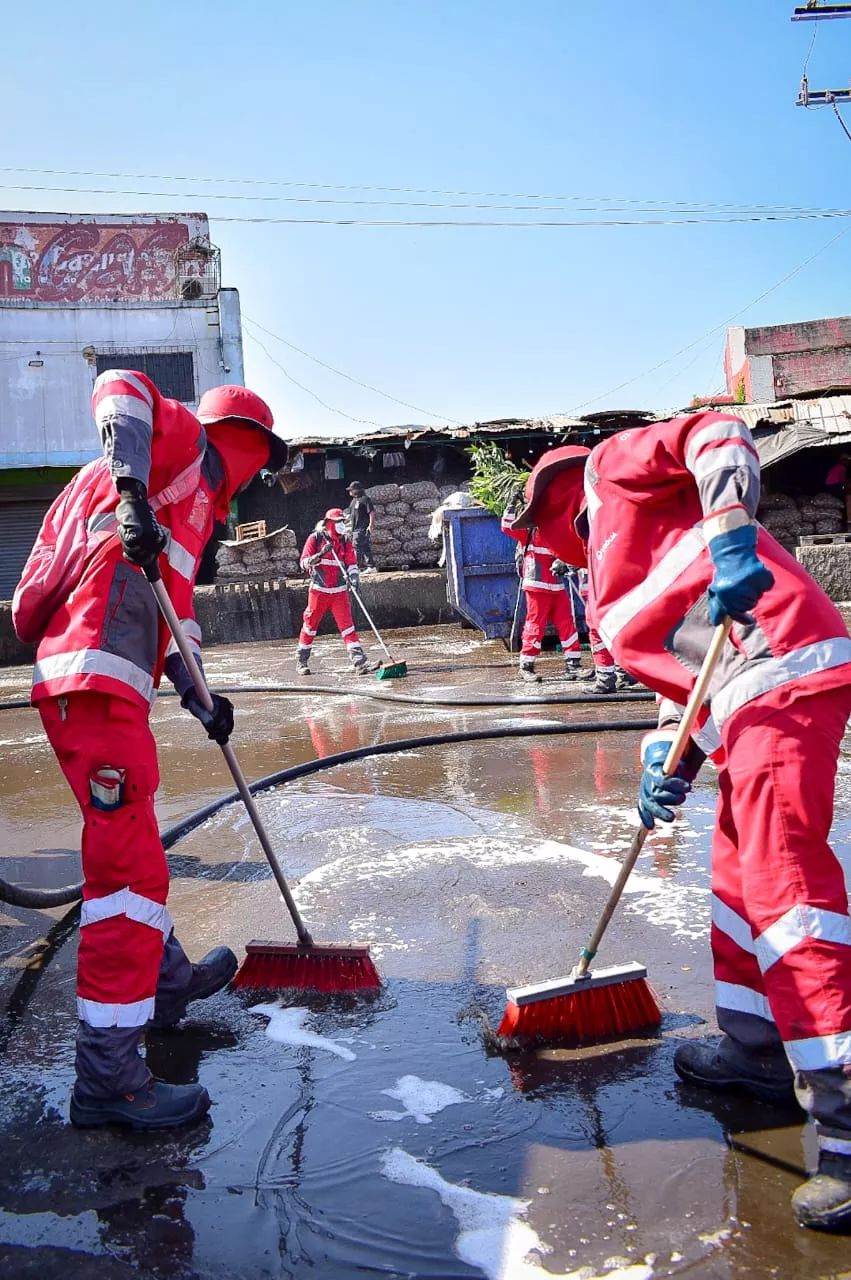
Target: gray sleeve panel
(127,446)
(176,672)
(729,488)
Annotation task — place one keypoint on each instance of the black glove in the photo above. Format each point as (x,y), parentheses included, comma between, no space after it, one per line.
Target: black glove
(559,568)
(142,537)
(218,722)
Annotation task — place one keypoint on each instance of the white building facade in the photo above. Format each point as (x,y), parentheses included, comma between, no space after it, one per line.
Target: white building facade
(80,294)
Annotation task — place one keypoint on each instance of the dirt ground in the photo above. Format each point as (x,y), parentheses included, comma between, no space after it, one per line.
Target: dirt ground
(352,1137)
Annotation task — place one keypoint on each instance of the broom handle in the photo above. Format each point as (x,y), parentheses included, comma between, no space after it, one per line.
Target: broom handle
(152,573)
(353,590)
(675,754)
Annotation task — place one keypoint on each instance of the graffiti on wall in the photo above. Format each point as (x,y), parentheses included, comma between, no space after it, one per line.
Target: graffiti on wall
(93,262)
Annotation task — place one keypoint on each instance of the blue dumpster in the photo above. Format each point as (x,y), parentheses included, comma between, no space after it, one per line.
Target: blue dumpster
(481,580)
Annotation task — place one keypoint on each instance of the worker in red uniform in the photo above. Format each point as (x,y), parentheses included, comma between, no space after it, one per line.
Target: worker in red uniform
(546,601)
(674,548)
(102,649)
(329,589)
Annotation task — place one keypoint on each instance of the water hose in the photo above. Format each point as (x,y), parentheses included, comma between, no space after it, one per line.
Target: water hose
(360,691)
(16,895)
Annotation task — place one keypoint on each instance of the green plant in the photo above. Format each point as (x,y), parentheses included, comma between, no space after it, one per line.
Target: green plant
(739,397)
(496,478)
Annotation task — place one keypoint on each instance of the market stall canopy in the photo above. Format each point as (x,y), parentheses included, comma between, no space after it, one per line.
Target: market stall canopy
(781,430)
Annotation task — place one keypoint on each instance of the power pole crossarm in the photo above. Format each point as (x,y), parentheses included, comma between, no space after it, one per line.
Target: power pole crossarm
(814,12)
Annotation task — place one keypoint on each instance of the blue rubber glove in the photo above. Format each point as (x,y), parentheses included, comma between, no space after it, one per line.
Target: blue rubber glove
(656,792)
(740,576)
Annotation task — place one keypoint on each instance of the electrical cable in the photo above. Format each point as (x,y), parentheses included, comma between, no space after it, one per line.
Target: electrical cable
(17,895)
(368,422)
(629,381)
(422,191)
(418,408)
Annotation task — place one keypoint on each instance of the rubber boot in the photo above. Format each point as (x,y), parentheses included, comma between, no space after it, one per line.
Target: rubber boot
(526,671)
(302,659)
(181,982)
(571,668)
(154,1106)
(824,1200)
(604,681)
(715,1064)
(623,680)
(358,659)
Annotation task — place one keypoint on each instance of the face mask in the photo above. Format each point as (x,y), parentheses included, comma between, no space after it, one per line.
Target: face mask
(339,527)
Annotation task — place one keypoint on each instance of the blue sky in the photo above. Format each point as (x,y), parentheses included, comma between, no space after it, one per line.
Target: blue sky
(666,101)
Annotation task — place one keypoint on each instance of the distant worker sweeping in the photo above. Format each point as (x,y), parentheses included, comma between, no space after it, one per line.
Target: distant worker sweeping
(546,601)
(675,550)
(329,557)
(166,475)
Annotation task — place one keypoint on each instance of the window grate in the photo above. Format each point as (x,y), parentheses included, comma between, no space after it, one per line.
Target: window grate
(172,373)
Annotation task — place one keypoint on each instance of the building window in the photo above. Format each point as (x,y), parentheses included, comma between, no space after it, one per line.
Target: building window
(172,373)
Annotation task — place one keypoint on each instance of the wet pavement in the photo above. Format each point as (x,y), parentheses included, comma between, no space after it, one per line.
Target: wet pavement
(357,1137)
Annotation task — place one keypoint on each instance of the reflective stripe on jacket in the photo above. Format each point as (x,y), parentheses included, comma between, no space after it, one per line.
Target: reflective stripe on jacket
(656,495)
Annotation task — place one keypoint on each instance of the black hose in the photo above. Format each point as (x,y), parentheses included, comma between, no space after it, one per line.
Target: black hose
(359,691)
(37,898)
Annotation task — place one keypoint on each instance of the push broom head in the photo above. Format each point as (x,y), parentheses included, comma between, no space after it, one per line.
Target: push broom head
(610,1002)
(276,966)
(391,670)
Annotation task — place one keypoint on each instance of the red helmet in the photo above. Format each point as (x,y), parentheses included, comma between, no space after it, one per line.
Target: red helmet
(221,404)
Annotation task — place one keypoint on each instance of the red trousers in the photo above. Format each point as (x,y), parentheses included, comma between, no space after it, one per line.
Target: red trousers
(543,607)
(318,604)
(124,918)
(781,935)
(603,660)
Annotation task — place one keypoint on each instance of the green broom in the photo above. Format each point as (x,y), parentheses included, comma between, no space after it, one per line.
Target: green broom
(391,669)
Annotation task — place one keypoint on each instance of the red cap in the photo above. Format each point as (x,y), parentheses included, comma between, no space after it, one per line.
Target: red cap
(336,513)
(555,496)
(238,404)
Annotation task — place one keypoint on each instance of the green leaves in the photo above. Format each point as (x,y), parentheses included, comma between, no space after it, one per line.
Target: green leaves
(496,478)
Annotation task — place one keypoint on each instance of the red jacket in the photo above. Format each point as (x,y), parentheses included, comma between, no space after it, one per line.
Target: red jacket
(655,496)
(537,573)
(325,576)
(99,628)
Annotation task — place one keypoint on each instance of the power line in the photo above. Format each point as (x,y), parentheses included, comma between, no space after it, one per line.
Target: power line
(342,413)
(330,186)
(750,213)
(715,329)
(405,403)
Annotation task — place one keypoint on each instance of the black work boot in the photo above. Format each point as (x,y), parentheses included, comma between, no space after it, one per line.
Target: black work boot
(705,1063)
(302,661)
(623,680)
(155,1106)
(571,668)
(209,975)
(526,671)
(824,1200)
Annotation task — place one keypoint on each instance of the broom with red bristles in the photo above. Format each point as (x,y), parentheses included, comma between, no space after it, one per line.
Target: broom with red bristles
(619,1000)
(280,966)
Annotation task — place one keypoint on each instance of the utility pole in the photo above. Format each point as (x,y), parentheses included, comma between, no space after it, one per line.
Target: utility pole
(814,11)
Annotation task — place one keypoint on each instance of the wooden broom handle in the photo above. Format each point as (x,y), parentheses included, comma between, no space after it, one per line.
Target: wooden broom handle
(673,758)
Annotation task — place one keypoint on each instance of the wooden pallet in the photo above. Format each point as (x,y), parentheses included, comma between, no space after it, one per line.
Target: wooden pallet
(253,529)
(825,539)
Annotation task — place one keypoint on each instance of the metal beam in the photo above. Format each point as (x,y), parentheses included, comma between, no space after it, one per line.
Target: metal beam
(819,13)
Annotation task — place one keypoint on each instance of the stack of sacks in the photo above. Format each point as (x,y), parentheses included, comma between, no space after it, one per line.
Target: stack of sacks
(402,516)
(258,559)
(788,519)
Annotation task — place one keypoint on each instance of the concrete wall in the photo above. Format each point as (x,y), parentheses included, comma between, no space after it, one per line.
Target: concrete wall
(234,612)
(45,392)
(830,565)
